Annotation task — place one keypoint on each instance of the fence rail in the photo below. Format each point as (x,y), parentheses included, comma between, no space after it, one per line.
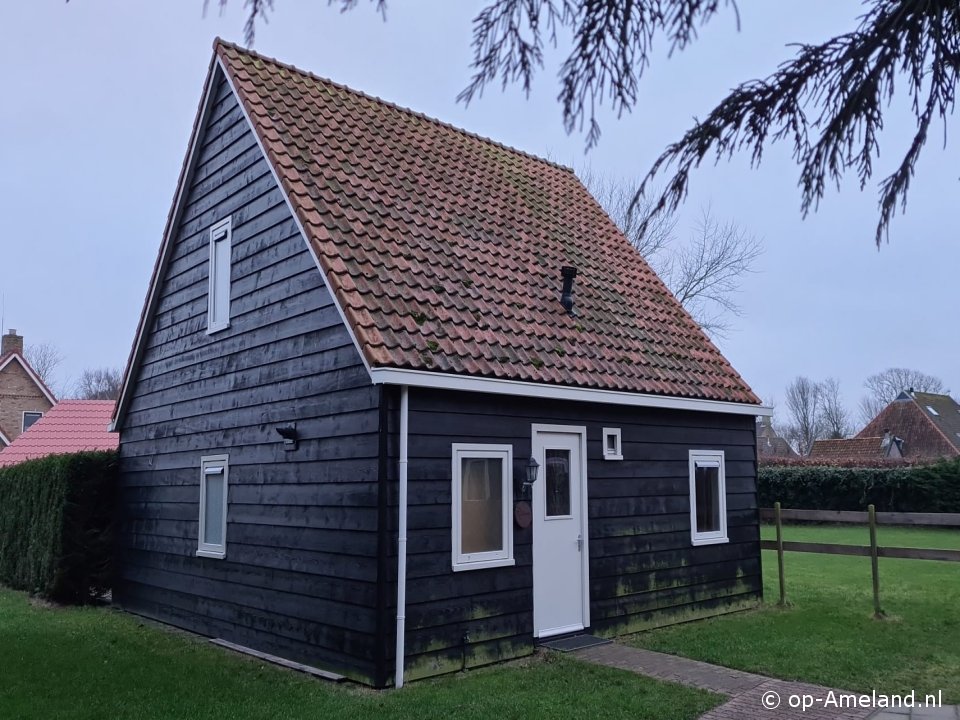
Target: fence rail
(872,519)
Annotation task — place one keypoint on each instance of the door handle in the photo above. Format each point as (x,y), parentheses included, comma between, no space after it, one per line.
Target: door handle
(580,542)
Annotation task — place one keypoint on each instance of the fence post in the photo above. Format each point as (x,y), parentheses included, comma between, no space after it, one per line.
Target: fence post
(874,562)
(783,590)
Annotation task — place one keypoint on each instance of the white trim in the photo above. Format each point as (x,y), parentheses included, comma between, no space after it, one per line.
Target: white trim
(30,373)
(617,452)
(213,465)
(163,257)
(23,419)
(222,231)
(536,447)
(402,537)
(293,213)
(498,558)
(497,386)
(4,439)
(708,458)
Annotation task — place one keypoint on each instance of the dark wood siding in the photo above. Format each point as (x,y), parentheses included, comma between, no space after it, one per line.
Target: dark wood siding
(300,576)
(643,569)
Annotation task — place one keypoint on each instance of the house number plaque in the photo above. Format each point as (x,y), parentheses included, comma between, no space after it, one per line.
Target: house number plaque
(522,514)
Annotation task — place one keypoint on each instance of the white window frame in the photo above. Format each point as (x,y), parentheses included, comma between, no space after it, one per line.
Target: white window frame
(497,558)
(23,418)
(218,318)
(212,462)
(617,452)
(708,458)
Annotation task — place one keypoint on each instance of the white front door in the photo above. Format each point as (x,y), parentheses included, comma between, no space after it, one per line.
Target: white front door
(560,558)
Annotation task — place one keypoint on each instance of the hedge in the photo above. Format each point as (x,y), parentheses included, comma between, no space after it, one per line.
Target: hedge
(57,525)
(929,488)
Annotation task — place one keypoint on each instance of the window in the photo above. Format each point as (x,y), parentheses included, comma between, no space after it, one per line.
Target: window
(218,296)
(214,473)
(708,497)
(611,444)
(482,489)
(29,418)
(932,411)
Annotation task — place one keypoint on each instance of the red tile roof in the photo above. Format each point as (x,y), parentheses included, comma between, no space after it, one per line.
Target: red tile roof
(858,448)
(924,434)
(444,248)
(69,426)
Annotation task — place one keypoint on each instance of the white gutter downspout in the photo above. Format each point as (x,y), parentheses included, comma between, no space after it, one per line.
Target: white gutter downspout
(402,538)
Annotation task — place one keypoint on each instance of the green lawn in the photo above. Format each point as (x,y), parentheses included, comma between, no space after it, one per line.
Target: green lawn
(828,635)
(100,664)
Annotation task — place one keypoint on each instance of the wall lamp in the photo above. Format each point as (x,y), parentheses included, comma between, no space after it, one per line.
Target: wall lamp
(289,435)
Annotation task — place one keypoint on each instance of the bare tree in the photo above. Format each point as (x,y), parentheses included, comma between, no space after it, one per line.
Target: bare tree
(883,388)
(828,101)
(99,384)
(44,358)
(835,419)
(804,404)
(705,273)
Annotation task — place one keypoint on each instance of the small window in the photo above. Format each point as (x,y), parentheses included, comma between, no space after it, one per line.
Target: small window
(611,444)
(29,418)
(932,411)
(214,476)
(218,296)
(482,488)
(708,497)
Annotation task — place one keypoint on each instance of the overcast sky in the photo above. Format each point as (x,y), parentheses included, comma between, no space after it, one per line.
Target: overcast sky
(100,96)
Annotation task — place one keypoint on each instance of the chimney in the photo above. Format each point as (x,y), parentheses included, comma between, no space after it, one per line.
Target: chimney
(12,343)
(568,273)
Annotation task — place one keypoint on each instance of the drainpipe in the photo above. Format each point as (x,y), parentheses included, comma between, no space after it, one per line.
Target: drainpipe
(402,537)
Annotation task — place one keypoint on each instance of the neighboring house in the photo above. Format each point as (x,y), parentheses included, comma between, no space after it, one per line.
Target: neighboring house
(70,426)
(769,444)
(24,398)
(354,358)
(928,423)
(858,449)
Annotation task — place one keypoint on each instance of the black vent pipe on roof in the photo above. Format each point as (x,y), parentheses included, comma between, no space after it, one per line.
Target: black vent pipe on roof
(566,295)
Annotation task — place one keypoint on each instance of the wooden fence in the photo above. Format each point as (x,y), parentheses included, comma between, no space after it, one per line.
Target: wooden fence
(871,518)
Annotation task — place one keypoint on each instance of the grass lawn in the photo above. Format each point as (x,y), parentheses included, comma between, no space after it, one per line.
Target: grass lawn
(827,635)
(98,664)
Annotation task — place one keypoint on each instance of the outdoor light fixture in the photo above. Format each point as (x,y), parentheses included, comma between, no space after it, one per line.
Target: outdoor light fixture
(289,435)
(533,470)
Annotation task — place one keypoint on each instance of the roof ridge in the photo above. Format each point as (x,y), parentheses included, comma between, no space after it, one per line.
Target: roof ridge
(220,42)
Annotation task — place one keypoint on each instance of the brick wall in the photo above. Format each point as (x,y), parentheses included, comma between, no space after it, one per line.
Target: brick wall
(18,393)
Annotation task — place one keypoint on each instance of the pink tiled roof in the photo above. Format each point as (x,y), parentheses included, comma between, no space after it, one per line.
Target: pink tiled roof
(69,426)
(444,249)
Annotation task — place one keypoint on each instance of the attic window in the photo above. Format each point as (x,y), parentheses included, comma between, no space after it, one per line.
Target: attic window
(218,296)
(612,448)
(932,411)
(29,418)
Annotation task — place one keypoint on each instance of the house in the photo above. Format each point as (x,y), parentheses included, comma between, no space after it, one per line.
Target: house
(403,400)
(70,426)
(24,397)
(928,423)
(769,443)
(858,449)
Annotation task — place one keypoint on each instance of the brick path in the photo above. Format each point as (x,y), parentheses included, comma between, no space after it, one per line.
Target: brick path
(748,692)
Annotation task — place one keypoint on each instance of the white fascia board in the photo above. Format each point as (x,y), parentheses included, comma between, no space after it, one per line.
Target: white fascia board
(163,257)
(293,214)
(4,439)
(31,374)
(467,383)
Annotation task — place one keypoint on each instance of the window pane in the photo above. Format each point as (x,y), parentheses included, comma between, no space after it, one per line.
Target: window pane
(708,499)
(558,482)
(213,511)
(481,505)
(29,418)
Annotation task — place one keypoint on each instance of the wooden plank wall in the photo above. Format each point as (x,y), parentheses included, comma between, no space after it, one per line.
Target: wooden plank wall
(644,571)
(300,575)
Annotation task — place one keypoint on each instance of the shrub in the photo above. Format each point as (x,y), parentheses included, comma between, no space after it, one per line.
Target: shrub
(57,525)
(929,488)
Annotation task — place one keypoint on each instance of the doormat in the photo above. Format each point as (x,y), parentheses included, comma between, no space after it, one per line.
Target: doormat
(577,642)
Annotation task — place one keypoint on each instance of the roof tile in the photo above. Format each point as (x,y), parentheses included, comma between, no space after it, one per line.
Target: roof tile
(69,426)
(444,248)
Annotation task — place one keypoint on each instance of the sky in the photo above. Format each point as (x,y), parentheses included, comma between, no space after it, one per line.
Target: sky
(100,98)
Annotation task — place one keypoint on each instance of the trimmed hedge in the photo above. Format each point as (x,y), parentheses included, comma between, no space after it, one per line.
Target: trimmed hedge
(929,488)
(57,525)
